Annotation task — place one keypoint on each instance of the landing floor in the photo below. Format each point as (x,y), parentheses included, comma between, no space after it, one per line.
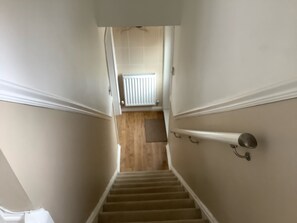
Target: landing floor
(136,154)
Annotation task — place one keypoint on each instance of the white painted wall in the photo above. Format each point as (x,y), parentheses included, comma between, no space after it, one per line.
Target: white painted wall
(140,51)
(138,12)
(54,46)
(112,70)
(167,64)
(226,48)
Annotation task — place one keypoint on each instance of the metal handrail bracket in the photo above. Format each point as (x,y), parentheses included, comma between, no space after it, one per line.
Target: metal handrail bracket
(235,140)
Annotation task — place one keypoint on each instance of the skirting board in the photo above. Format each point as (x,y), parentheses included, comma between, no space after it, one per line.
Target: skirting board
(273,93)
(11,92)
(95,212)
(98,207)
(168,157)
(203,208)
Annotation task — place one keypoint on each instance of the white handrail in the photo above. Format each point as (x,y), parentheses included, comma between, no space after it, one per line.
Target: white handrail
(246,140)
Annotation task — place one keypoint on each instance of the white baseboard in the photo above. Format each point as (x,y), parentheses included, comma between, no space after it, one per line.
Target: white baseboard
(206,212)
(203,208)
(168,157)
(98,207)
(119,158)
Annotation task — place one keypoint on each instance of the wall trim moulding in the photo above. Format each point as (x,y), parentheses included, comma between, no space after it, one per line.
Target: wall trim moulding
(15,93)
(269,94)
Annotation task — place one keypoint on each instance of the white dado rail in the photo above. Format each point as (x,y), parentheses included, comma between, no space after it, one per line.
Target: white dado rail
(12,92)
(235,140)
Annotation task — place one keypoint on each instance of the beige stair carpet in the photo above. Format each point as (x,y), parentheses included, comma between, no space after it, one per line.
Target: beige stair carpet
(151,197)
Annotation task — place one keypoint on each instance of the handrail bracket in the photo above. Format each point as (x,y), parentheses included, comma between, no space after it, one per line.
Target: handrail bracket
(246,156)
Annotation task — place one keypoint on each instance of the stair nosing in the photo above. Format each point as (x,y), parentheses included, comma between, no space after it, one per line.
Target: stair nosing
(147,194)
(151,201)
(145,188)
(149,211)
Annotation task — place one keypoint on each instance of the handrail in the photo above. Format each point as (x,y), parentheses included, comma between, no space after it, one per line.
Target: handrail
(235,140)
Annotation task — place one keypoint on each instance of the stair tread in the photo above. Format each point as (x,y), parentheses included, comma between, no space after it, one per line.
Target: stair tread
(145,184)
(175,221)
(150,215)
(139,190)
(149,178)
(135,174)
(143,188)
(146,171)
(148,196)
(145,175)
(149,205)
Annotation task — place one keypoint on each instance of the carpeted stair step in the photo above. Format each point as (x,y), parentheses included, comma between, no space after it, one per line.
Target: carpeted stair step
(145,175)
(149,205)
(175,221)
(142,190)
(146,184)
(145,172)
(146,179)
(147,197)
(152,215)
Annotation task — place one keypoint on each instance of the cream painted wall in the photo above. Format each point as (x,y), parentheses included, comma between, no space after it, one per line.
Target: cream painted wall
(168,63)
(54,46)
(224,49)
(235,190)
(62,160)
(227,48)
(12,194)
(139,51)
(137,12)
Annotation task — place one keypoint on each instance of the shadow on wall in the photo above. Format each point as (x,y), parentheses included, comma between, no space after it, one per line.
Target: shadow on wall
(12,194)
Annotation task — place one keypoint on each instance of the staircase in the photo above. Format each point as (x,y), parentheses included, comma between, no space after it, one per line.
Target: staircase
(156,197)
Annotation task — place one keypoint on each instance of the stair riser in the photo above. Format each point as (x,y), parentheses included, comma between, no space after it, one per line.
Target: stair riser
(131,216)
(149,205)
(140,180)
(156,184)
(175,221)
(147,197)
(145,175)
(146,190)
(145,172)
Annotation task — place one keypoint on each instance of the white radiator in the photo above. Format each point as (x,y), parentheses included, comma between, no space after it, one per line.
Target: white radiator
(139,89)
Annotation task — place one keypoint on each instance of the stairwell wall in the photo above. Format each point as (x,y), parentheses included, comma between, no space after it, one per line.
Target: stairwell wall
(62,161)
(233,189)
(226,50)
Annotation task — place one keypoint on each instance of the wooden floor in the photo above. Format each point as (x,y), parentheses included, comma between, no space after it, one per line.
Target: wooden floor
(136,154)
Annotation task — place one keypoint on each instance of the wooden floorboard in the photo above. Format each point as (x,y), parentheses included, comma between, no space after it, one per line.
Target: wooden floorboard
(136,154)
